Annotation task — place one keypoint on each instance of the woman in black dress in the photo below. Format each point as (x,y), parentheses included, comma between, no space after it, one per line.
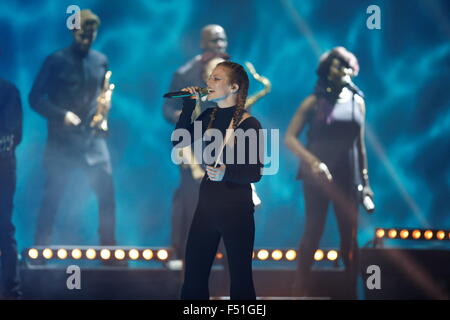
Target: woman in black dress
(333,163)
(225,207)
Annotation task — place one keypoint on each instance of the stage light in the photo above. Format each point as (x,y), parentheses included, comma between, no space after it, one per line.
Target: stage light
(62,253)
(392,233)
(332,255)
(91,254)
(219,255)
(33,253)
(162,254)
(76,254)
(47,253)
(133,254)
(380,233)
(147,254)
(318,255)
(440,235)
(119,254)
(404,234)
(291,255)
(263,254)
(416,234)
(428,234)
(277,255)
(105,254)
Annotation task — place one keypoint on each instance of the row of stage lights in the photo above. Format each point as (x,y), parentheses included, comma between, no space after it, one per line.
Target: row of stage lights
(412,234)
(158,254)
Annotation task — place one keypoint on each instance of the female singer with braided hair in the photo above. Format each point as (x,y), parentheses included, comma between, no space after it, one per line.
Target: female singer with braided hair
(225,207)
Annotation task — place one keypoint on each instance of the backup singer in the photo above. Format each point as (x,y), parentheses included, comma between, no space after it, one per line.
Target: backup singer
(225,207)
(333,162)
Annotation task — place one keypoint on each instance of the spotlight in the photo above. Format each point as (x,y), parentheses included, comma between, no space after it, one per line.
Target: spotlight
(219,255)
(263,254)
(318,255)
(380,233)
(440,235)
(91,254)
(147,254)
(133,254)
(119,254)
(76,254)
(162,254)
(392,233)
(332,255)
(277,255)
(105,254)
(62,254)
(428,234)
(416,234)
(291,255)
(47,253)
(33,253)
(404,234)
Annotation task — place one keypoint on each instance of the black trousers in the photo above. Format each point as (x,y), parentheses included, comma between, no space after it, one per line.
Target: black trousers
(318,197)
(58,175)
(213,221)
(8,245)
(183,207)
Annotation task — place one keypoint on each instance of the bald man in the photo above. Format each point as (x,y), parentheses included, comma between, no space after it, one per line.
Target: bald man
(213,44)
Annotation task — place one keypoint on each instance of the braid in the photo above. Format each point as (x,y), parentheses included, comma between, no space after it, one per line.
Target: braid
(212,117)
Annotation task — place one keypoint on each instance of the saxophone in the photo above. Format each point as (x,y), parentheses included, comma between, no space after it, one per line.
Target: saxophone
(267,86)
(100,119)
(249,103)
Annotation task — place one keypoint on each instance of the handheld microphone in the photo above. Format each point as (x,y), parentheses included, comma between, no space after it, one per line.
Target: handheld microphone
(366,201)
(353,87)
(184,94)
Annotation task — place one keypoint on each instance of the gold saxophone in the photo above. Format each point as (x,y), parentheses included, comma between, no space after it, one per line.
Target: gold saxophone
(267,86)
(100,119)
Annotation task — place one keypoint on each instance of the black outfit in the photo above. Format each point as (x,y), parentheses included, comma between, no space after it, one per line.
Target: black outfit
(185,198)
(71,81)
(225,209)
(10,137)
(334,129)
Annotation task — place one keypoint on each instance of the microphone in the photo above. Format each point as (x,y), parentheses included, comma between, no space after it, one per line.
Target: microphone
(353,87)
(366,201)
(184,94)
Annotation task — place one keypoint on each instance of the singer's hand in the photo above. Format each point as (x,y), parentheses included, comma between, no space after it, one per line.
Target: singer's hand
(216,174)
(71,119)
(194,90)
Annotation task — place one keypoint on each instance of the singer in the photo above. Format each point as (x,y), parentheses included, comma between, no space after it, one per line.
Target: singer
(333,163)
(225,207)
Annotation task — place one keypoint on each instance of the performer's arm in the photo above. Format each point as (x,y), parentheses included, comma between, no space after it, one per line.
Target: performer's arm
(38,97)
(362,154)
(13,112)
(296,127)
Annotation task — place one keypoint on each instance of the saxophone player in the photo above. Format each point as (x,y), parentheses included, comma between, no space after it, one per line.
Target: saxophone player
(68,91)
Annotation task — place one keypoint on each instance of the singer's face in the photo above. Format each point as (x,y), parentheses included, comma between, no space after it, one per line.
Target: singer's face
(338,70)
(219,85)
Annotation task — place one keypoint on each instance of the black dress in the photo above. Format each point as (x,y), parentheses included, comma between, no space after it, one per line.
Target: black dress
(334,129)
(225,209)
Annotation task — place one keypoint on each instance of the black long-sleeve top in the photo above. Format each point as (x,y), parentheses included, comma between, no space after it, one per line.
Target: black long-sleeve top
(10,112)
(238,176)
(68,81)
